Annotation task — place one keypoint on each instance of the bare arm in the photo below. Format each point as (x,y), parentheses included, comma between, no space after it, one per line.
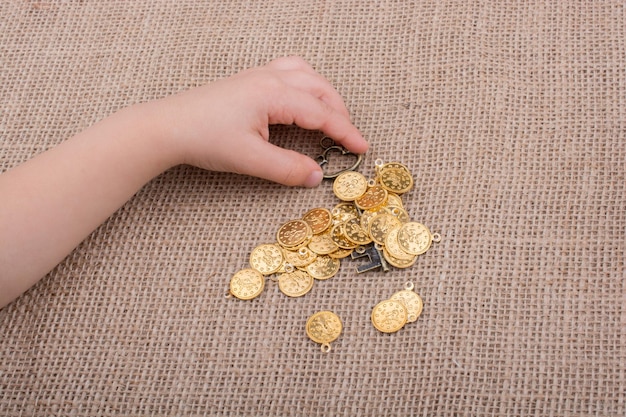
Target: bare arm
(51,203)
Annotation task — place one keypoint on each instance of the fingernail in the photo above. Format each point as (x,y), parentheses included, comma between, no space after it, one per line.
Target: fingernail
(314,179)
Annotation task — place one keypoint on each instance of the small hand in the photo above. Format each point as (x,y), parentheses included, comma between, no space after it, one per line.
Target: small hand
(224,126)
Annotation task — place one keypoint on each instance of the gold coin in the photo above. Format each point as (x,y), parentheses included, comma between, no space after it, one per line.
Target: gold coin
(354,233)
(374,197)
(338,236)
(396,178)
(398,263)
(349,185)
(389,316)
(266,258)
(323,267)
(319,219)
(247,284)
(294,233)
(412,301)
(414,238)
(296,283)
(323,244)
(394,249)
(381,225)
(300,258)
(343,212)
(324,327)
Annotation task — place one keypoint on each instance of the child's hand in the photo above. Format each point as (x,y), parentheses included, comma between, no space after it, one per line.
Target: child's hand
(53,201)
(223,126)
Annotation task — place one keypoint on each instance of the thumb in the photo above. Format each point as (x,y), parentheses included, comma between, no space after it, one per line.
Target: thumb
(284,166)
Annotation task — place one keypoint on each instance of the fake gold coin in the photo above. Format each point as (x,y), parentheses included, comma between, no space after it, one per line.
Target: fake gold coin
(323,267)
(324,327)
(296,283)
(349,185)
(389,316)
(381,225)
(414,238)
(396,178)
(374,197)
(266,258)
(247,284)
(319,219)
(293,234)
(323,244)
(412,301)
(354,233)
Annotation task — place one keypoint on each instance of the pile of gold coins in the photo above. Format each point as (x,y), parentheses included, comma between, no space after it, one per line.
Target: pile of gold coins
(370,221)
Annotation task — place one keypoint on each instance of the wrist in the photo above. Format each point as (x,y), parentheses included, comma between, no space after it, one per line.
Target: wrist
(154,135)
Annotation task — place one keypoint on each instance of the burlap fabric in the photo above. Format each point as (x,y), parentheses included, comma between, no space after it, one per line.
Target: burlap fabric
(512,117)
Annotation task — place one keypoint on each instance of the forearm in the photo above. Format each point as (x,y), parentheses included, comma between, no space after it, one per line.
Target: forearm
(51,203)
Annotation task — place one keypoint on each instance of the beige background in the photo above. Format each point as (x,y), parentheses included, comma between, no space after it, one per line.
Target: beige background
(512,117)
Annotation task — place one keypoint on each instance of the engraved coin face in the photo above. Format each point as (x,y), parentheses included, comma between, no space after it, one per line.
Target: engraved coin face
(412,301)
(296,283)
(396,178)
(374,197)
(324,327)
(294,233)
(247,284)
(323,244)
(389,316)
(381,225)
(349,186)
(414,238)
(323,267)
(266,258)
(319,219)
(354,233)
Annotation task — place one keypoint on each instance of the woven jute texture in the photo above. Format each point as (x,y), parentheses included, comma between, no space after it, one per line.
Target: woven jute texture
(511,116)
